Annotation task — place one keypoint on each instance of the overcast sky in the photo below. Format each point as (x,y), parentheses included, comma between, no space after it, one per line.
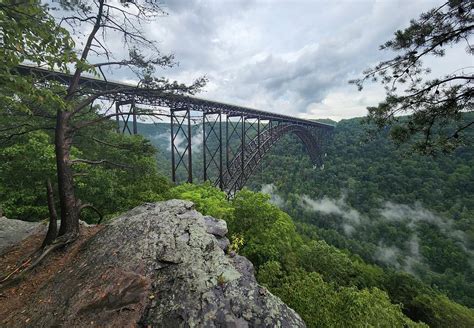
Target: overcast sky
(292,57)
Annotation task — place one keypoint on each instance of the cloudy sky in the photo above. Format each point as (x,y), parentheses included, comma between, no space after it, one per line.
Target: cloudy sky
(292,57)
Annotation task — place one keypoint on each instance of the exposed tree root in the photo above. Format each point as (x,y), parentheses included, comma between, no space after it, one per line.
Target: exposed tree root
(34,260)
(23,265)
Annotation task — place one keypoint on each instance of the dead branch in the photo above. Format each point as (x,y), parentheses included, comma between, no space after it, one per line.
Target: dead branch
(92,207)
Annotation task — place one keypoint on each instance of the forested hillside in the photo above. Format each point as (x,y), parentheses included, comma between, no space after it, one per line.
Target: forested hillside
(390,206)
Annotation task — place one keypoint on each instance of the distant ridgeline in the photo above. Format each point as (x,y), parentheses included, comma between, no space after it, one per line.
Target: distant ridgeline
(390,206)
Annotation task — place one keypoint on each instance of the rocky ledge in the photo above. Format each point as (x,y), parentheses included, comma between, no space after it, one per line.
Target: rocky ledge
(159,265)
(13,232)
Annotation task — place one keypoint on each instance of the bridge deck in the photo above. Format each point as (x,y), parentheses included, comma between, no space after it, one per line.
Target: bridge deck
(157,98)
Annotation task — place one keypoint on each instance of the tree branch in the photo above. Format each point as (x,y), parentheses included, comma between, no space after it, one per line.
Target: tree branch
(77,74)
(99,162)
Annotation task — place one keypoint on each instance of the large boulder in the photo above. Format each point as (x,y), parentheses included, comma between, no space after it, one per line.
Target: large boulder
(159,265)
(13,232)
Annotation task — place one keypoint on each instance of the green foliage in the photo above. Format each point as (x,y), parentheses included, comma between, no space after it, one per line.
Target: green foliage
(30,34)
(236,242)
(128,178)
(208,200)
(336,266)
(253,210)
(362,176)
(322,304)
(24,168)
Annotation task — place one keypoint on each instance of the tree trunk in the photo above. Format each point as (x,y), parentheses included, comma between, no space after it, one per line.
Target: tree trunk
(67,197)
(53,217)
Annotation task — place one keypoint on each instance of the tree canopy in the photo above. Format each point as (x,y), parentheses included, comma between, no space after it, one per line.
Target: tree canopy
(435,103)
(77,39)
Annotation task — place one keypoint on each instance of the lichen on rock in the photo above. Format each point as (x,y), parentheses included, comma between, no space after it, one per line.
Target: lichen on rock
(158,265)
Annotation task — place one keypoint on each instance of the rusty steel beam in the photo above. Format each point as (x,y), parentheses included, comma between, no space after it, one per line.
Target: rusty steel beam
(253,133)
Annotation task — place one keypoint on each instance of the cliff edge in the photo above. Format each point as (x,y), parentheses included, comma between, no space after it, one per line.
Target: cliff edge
(158,265)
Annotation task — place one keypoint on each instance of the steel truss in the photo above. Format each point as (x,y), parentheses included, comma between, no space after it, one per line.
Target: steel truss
(237,174)
(212,154)
(228,160)
(126,117)
(181,126)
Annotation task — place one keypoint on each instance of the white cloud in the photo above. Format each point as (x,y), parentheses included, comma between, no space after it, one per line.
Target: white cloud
(327,205)
(352,218)
(388,254)
(412,214)
(402,260)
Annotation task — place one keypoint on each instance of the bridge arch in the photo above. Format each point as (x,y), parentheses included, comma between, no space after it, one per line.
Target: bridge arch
(246,162)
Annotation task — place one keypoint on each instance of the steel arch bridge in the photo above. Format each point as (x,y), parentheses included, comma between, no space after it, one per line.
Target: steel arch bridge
(234,140)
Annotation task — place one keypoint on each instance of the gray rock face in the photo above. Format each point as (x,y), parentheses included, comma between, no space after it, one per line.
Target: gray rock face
(158,266)
(218,228)
(215,227)
(14,231)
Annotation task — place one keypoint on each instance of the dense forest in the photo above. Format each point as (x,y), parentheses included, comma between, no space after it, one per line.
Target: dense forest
(403,211)
(391,207)
(410,212)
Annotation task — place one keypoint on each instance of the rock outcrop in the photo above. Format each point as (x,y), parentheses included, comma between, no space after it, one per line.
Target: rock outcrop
(13,232)
(159,265)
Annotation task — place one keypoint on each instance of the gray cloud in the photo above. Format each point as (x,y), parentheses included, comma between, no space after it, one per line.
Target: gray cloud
(292,57)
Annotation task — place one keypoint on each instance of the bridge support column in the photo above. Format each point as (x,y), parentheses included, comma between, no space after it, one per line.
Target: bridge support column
(242,147)
(134,117)
(180,117)
(258,133)
(126,116)
(212,154)
(117,112)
